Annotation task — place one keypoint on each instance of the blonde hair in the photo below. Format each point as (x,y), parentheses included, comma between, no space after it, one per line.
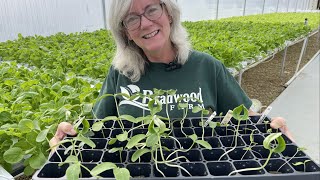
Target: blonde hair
(129,58)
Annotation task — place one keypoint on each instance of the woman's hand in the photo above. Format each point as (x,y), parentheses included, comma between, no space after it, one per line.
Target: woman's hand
(277,123)
(280,123)
(64,128)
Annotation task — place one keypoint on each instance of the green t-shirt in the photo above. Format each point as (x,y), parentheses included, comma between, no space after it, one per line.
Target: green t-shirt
(201,77)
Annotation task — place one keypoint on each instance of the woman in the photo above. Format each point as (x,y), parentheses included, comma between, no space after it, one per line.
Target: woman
(153,52)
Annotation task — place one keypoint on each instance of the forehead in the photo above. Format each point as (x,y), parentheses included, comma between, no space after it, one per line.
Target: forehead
(138,6)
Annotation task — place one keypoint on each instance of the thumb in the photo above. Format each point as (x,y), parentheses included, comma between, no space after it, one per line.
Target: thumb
(65,128)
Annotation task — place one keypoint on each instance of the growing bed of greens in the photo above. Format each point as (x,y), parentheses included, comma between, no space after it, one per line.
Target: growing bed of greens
(47,80)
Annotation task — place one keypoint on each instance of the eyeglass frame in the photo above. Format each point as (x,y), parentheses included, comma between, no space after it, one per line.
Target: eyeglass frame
(140,16)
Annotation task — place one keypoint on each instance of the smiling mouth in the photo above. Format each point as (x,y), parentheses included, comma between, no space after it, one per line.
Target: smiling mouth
(148,36)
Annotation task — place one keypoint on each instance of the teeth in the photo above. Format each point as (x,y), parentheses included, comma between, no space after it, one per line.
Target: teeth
(151,34)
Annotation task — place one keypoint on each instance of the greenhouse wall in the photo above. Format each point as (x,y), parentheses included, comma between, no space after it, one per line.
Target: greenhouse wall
(31,17)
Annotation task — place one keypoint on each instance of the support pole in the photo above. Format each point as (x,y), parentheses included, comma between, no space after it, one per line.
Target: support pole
(264,4)
(244,8)
(284,60)
(217,12)
(277,6)
(318,35)
(304,47)
(103,3)
(240,77)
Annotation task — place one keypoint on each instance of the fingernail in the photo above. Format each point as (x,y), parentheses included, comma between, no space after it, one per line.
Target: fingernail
(71,132)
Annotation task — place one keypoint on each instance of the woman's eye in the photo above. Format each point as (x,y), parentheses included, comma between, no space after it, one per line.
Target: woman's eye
(152,11)
(132,19)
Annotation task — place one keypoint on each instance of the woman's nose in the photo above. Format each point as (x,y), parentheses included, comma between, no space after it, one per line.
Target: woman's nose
(145,22)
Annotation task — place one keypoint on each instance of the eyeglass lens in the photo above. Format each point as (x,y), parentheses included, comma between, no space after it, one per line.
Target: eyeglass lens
(152,12)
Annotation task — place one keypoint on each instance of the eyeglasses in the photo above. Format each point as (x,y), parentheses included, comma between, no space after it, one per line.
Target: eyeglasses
(152,12)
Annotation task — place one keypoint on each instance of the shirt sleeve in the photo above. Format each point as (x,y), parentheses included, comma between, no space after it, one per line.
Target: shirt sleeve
(229,92)
(105,106)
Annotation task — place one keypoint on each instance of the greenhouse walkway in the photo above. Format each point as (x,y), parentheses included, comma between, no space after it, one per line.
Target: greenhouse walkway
(299,104)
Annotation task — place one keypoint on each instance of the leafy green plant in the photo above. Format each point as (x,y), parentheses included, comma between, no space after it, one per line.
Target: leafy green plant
(237,114)
(252,143)
(302,163)
(158,128)
(273,148)
(297,151)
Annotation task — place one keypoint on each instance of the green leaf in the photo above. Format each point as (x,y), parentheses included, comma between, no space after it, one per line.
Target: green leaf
(205,112)
(88,141)
(194,137)
(196,109)
(26,125)
(87,108)
(112,141)
(181,98)
(298,163)
(121,173)
(155,106)
(139,153)
(281,144)
(115,149)
(37,160)
(140,119)
(31,137)
(204,144)
(183,105)
(86,126)
(213,125)
(22,144)
(42,135)
(160,124)
(135,140)
(5,116)
(237,113)
(97,126)
(28,171)
(134,96)
(73,172)
(109,118)
(71,159)
(151,128)
(152,140)
(102,167)
(172,91)
(122,137)
(128,118)
(123,94)
(103,96)
(13,155)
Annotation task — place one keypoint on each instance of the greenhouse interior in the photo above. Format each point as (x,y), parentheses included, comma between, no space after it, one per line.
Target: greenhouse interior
(159,89)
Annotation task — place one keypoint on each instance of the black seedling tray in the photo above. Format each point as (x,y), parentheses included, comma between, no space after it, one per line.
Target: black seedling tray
(202,163)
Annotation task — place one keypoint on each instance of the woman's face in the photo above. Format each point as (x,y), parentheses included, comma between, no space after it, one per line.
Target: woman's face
(151,36)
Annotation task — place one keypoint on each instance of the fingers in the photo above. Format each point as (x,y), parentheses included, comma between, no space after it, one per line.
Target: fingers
(277,122)
(53,142)
(280,123)
(64,128)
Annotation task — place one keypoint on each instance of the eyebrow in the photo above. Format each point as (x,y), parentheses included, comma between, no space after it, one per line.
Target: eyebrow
(144,10)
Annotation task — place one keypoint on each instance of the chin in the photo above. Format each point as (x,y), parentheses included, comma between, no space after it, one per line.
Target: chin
(154,48)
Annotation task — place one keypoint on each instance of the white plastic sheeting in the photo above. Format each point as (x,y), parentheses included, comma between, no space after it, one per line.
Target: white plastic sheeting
(47,17)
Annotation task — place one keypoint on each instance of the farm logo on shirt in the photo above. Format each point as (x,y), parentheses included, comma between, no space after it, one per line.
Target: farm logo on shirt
(172,100)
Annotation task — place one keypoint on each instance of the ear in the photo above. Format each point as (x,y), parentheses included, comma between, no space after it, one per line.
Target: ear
(170,19)
(128,35)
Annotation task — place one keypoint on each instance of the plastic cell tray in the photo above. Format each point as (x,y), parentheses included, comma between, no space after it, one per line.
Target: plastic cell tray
(202,163)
